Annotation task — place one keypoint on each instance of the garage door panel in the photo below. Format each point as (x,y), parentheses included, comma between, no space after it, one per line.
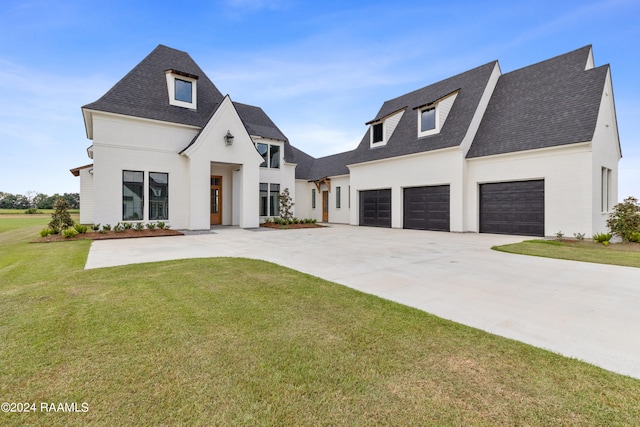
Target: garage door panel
(427,208)
(512,208)
(375,208)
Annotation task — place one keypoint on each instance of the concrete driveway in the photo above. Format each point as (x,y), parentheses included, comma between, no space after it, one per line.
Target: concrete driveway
(586,311)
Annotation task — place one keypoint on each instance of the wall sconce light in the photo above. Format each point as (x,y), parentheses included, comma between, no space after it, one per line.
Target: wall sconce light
(228,138)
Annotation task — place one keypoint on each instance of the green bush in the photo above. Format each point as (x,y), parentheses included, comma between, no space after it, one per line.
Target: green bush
(32,211)
(82,229)
(60,218)
(95,227)
(161,225)
(69,232)
(579,236)
(45,232)
(139,226)
(118,228)
(635,237)
(127,225)
(624,221)
(105,228)
(602,238)
(151,226)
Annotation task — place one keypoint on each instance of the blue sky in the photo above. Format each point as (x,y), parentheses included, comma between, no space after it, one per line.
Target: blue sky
(320,69)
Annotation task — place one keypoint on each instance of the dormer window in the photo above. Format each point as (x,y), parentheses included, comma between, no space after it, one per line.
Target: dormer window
(432,116)
(428,121)
(182,89)
(378,133)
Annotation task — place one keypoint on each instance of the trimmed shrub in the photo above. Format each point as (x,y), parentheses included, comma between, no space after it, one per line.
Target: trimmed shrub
(624,221)
(95,227)
(60,218)
(45,232)
(32,211)
(161,225)
(151,226)
(139,226)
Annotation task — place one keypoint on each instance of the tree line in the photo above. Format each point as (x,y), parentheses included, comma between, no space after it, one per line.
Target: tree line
(37,200)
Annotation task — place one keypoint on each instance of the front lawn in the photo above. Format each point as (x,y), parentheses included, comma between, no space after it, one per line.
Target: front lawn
(625,254)
(243,342)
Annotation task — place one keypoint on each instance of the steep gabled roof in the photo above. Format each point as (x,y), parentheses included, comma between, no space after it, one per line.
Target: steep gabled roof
(143,91)
(551,103)
(470,86)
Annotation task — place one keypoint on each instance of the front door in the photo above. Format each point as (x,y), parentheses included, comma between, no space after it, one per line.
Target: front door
(216,200)
(325,206)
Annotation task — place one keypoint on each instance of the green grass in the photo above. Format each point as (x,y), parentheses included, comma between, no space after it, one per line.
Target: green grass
(627,254)
(242,342)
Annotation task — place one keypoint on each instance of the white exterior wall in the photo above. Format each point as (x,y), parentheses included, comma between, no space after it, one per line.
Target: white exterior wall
(86,195)
(302,207)
(566,171)
(123,143)
(441,167)
(238,162)
(606,153)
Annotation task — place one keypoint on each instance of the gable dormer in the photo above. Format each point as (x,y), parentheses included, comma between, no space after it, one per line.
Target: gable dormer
(433,115)
(182,89)
(382,129)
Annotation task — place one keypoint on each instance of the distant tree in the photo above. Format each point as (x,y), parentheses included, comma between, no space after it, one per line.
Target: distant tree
(73,199)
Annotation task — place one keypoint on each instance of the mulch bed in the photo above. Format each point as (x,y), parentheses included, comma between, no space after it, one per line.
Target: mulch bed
(290,226)
(93,235)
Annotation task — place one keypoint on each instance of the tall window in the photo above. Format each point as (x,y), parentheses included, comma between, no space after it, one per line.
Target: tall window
(274,205)
(313,198)
(605,189)
(270,155)
(158,196)
(132,195)
(269,200)
(264,199)
(338,197)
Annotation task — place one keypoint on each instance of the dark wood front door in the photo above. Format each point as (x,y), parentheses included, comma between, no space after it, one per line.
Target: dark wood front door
(325,206)
(216,200)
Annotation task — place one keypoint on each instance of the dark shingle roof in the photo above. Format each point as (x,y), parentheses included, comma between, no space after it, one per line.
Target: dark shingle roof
(143,91)
(551,103)
(257,122)
(471,85)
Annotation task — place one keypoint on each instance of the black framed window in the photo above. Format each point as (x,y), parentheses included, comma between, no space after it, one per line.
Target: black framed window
(183,90)
(264,199)
(377,133)
(338,197)
(270,155)
(274,156)
(132,195)
(158,196)
(313,198)
(274,200)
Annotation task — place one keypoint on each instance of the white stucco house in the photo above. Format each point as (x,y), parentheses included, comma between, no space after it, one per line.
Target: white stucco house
(533,152)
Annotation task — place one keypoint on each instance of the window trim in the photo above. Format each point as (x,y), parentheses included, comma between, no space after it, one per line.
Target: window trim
(436,128)
(605,189)
(381,142)
(338,197)
(268,155)
(151,200)
(172,76)
(142,186)
(313,198)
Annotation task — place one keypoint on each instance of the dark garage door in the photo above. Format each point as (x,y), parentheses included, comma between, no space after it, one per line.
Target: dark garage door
(427,208)
(512,208)
(375,208)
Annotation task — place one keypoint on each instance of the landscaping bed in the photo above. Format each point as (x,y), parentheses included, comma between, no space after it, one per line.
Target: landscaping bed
(96,235)
(290,226)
